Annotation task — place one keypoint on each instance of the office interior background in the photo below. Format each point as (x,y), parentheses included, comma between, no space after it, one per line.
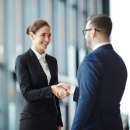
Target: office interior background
(67,19)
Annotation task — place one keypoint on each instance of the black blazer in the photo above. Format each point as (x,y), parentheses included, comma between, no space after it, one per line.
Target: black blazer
(34,86)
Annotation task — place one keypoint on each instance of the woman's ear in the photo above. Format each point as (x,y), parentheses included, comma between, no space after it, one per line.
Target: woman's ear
(32,35)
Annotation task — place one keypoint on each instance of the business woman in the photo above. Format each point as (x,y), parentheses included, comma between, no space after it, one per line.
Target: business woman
(37,75)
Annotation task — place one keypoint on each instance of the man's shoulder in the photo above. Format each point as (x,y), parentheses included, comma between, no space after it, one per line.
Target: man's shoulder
(93,56)
(91,59)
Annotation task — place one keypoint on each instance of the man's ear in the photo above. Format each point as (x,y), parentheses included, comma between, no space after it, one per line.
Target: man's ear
(93,32)
(32,35)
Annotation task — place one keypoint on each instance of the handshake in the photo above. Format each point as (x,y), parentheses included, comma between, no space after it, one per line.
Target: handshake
(61,90)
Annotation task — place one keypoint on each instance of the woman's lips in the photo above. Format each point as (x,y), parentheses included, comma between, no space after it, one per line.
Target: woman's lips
(45,44)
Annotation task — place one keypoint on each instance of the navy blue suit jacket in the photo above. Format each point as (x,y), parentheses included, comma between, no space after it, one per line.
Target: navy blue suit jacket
(101,78)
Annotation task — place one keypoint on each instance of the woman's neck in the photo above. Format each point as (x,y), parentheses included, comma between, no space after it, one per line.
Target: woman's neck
(40,51)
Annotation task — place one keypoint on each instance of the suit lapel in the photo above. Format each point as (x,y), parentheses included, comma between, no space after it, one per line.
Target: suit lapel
(38,65)
(50,65)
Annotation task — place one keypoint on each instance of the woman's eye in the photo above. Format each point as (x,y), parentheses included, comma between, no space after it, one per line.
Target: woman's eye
(43,35)
(49,35)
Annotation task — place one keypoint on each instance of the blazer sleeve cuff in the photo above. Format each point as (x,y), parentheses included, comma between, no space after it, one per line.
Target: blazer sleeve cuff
(59,121)
(48,92)
(76,94)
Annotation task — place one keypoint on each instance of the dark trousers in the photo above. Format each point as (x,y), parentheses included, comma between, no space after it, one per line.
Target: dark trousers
(44,121)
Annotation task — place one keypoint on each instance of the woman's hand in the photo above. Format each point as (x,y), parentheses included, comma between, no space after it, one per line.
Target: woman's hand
(59,127)
(59,91)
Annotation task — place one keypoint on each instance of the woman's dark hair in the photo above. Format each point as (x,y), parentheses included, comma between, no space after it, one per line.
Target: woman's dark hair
(36,25)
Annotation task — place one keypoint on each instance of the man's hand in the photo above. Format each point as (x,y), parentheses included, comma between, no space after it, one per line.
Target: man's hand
(59,91)
(66,87)
(59,127)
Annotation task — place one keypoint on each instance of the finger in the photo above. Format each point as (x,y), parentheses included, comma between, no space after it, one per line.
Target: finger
(68,91)
(62,84)
(67,94)
(55,93)
(59,85)
(58,95)
(64,95)
(66,86)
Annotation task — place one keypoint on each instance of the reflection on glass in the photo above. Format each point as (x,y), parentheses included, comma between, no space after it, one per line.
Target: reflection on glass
(1,31)
(61,48)
(73,22)
(45,12)
(18,27)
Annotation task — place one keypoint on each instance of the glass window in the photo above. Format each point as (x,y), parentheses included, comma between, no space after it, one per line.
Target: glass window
(45,13)
(73,22)
(61,46)
(26,20)
(1,31)
(34,9)
(18,27)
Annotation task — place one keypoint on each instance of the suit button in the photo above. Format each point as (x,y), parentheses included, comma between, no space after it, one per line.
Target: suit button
(47,96)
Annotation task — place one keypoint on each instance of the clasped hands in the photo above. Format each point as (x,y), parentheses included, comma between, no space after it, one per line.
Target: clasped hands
(61,90)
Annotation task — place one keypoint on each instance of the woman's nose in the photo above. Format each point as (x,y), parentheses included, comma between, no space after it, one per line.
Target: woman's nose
(46,39)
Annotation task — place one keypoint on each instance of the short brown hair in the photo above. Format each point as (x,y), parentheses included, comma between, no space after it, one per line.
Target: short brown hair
(101,22)
(36,25)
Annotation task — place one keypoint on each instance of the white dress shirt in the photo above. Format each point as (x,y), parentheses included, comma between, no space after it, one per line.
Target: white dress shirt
(100,44)
(43,63)
(72,90)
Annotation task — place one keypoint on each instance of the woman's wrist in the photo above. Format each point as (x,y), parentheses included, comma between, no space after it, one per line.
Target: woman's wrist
(53,89)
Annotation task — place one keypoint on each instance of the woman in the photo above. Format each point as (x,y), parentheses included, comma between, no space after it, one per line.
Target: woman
(36,73)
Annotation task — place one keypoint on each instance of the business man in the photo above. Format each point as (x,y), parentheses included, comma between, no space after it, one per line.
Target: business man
(101,78)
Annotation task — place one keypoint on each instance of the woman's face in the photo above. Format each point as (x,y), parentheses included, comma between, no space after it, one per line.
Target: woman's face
(41,39)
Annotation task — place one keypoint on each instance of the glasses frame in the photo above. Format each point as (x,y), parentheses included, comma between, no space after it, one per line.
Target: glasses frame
(89,30)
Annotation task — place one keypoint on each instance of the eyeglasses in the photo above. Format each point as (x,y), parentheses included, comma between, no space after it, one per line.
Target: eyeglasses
(84,31)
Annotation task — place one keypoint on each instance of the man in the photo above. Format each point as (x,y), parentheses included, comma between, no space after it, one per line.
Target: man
(101,78)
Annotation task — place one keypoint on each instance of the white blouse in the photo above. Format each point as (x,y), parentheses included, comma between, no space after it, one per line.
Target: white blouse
(43,63)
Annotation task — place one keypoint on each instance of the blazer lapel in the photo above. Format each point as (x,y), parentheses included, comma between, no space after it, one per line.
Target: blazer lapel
(50,65)
(38,66)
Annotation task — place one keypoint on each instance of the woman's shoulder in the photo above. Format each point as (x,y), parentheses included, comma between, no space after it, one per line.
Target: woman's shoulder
(22,57)
(51,57)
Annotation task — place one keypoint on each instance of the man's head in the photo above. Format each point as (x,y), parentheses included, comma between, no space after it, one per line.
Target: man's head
(101,26)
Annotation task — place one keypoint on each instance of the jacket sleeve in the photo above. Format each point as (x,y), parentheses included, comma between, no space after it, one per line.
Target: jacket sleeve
(24,80)
(59,120)
(90,77)
(76,94)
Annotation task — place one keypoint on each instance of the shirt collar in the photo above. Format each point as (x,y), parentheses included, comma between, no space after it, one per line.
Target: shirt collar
(100,44)
(38,55)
